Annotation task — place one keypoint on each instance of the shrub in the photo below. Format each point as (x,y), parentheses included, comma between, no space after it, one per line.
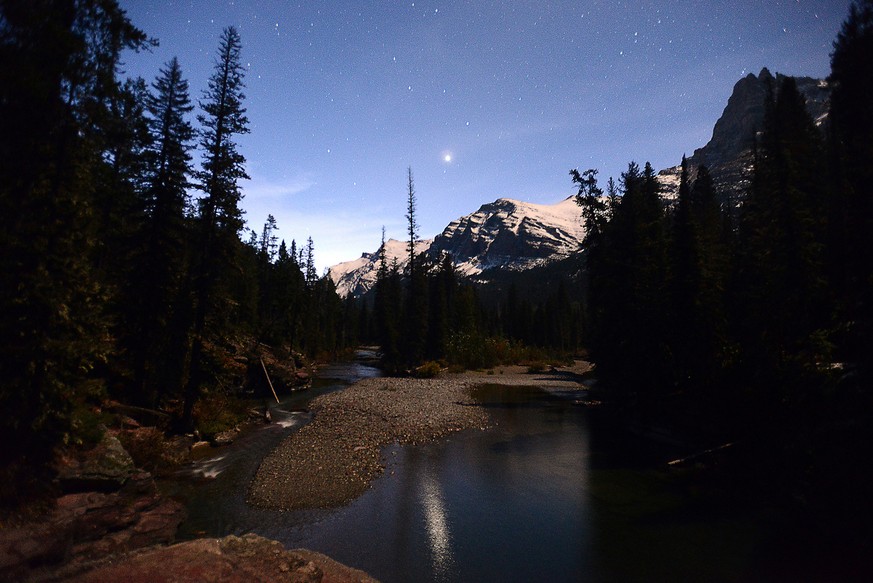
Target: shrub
(215,413)
(428,370)
(536,367)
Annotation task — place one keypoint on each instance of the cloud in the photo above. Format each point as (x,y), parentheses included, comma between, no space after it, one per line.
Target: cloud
(258,187)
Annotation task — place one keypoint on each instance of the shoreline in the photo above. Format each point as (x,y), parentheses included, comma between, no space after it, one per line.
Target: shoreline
(335,458)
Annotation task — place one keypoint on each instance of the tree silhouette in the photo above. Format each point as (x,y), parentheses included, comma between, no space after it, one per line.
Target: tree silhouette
(219,218)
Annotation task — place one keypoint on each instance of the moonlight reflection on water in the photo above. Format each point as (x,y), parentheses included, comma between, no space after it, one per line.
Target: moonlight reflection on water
(438,532)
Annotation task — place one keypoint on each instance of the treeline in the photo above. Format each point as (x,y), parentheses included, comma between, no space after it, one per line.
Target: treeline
(426,314)
(114,280)
(753,324)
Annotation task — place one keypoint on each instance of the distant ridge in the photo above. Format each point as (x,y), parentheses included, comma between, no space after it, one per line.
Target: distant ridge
(512,235)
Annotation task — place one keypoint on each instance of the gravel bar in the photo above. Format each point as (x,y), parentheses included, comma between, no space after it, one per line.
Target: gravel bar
(333,459)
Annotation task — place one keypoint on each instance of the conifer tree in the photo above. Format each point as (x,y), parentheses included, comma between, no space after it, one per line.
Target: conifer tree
(697,286)
(416,317)
(783,295)
(219,217)
(155,286)
(308,263)
(594,207)
(120,181)
(387,305)
(627,289)
(851,146)
(441,302)
(267,244)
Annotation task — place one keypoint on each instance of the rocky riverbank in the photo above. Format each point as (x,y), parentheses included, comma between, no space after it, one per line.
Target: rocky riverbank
(231,559)
(333,459)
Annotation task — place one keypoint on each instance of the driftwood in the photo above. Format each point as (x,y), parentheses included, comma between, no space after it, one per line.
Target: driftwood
(269,382)
(691,458)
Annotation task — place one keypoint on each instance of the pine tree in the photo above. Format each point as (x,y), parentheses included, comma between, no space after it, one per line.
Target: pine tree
(219,217)
(851,146)
(267,244)
(627,289)
(308,263)
(387,306)
(126,139)
(782,229)
(594,207)
(416,317)
(443,286)
(155,286)
(697,262)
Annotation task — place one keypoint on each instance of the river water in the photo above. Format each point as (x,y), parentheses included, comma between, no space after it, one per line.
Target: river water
(523,501)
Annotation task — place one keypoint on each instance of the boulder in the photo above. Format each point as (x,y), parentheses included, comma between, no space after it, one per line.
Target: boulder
(231,559)
(104,468)
(85,526)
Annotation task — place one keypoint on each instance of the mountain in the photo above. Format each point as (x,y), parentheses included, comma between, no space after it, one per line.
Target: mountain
(511,236)
(506,234)
(358,276)
(728,154)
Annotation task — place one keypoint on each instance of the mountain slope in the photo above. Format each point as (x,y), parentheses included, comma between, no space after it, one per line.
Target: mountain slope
(358,276)
(507,234)
(511,234)
(728,154)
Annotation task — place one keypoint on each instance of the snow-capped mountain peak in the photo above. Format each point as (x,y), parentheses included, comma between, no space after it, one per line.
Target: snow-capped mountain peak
(358,276)
(506,233)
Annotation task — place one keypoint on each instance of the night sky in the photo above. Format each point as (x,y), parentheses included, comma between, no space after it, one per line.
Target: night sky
(482,99)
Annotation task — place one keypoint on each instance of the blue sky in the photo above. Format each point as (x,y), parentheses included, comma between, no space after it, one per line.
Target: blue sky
(482,99)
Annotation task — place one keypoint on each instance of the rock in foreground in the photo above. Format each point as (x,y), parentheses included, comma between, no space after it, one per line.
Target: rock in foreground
(250,558)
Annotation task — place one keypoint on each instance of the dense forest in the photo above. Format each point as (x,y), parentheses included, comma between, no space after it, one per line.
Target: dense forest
(752,325)
(123,274)
(426,316)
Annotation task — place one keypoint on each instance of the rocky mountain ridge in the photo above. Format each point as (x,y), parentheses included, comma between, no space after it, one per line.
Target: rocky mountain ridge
(513,235)
(728,154)
(506,234)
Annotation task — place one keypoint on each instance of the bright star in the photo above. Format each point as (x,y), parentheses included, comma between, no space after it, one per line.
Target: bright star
(447,158)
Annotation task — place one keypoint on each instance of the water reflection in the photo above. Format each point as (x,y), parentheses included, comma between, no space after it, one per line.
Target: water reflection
(437,524)
(509,504)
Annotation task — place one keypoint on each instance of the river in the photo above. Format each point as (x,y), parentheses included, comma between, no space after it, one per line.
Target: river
(529,500)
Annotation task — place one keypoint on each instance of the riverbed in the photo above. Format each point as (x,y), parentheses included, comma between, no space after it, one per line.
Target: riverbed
(535,497)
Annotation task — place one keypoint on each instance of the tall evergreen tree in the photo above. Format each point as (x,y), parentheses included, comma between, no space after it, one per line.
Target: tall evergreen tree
(443,286)
(697,261)
(386,308)
(594,207)
(416,317)
(627,289)
(783,298)
(851,145)
(268,243)
(160,253)
(121,179)
(308,263)
(219,217)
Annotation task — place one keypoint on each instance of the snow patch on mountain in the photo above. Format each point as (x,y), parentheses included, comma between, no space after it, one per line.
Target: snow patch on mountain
(358,276)
(506,234)
(511,234)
